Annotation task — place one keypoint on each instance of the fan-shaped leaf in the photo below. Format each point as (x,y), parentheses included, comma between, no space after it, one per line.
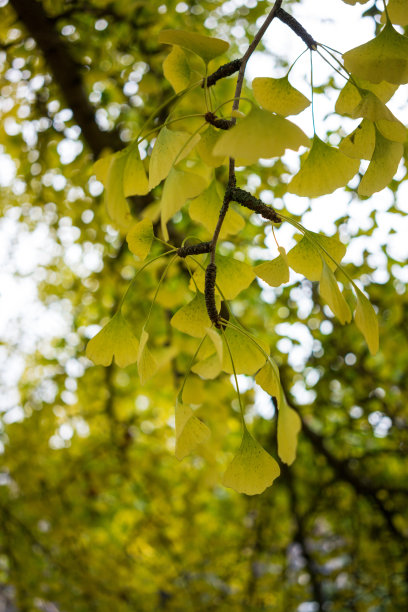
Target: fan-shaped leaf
(397,12)
(275,272)
(233,276)
(146,363)
(192,318)
(268,378)
(205,46)
(206,145)
(306,257)
(289,425)
(366,321)
(360,143)
(247,357)
(179,187)
(170,146)
(176,69)
(140,238)
(206,207)
(117,340)
(383,165)
(190,431)
(330,292)
(134,175)
(279,96)
(373,109)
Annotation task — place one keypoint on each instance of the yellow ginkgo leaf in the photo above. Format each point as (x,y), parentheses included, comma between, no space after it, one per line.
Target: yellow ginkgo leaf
(146,364)
(194,390)
(206,145)
(373,109)
(397,12)
(233,276)
(178,187)
(134,175)
(306,257)
(140,238)
(275,272)
(383,165)
(208,368)
(177,70)
(101,167)
(366,321)
(216,339)
(351,96)
(117,340)
(360,143)
(205,209)
(246,355)
(324,170)
(330,292)
(205,47)
(192,319)
(190,431)
(260,134)
(268,378)
(279,96)
(384,58)
(115,201)
(289,425)
(170,146)
(252,469)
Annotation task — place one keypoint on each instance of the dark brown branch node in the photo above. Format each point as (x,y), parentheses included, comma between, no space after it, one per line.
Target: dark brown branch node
(223,71)
(297,28)
(194,249)
(222,124)
(209,294)
(249,201)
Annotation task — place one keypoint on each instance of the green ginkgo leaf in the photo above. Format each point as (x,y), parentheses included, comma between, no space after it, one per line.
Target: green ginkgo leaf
(205,209)
(306,257)
(140,238)
(330,292)
(275,272)
(177,70)
(289,426)
(115,201)
(170,146)
(246,355)
(366,321)
(384,58)
(208,368)
(205,47)
(206,145)
(268,378)
(252,469)
(192,319)
(383,165)
(372,108)
(279,96)
(397,12)
(146,364)
(351,96)
(360,143)
(260,134)
(324,170)
(117,340)
(134,175)
(233,276)
(190,431)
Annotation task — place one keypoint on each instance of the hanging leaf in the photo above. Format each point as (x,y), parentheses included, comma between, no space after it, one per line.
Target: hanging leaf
(140,238)
(324,170)
(397,12)
(384,58)
(306,257)
(206,145)
(146,363)
(275,272)
(252,469)
(205,209)
(192,319)
(268,378)
(216,339)
(383,166)
(330,292)
(176,69)
(351,96)
(289,426)
(233,276)
(373,109)
(366,321)
(247,357)
(190,431)
(208,368)
(170,146)
(260,134)
(117,340)
(360,143)
(134,175)
(205,47)
(279,96)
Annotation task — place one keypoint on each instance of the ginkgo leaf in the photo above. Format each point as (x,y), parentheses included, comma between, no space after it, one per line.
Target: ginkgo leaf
(170,146)
(140,238)
(208,368)
(275,272)
(268,378)
(355,1)
(206,145)
(260,134)
(324,170)
(330,292)
(372,108)
(246,355)
(146,363)
(177,70)
(279,96)
(190,431)
(384,58)
(192,319)
(252,469)
(351,96)
(306,257)
(117,340)
(397,12)
(193,390)
(216,339)
(101,167)
(233,276)
(178,187)
(366,321)
(383,165)
(289,426)
(360,143)
(115,201)
(205,47)
(205,209)
(134,175)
